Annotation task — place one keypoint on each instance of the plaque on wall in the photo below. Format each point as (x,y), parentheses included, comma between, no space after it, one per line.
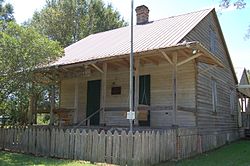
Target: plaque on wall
(116,90)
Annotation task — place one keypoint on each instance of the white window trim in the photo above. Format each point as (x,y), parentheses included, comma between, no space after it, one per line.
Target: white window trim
(232,101)
(214,95)
(213,40)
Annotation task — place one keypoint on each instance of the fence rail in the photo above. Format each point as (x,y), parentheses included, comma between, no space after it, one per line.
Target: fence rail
(122,148)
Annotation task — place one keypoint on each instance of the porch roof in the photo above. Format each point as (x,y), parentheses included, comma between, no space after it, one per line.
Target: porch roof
(161,34)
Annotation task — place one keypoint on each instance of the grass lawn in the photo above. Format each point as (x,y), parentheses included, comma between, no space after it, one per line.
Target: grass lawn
(15,159)
(235,154)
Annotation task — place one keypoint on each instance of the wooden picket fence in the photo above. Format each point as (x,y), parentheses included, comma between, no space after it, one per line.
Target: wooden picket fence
(121,148)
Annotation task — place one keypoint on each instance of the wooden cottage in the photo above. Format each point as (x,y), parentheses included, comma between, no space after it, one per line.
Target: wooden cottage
(183,75)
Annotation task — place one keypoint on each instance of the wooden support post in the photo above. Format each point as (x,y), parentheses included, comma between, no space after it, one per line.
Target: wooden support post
(31,109)
(247,115)
(76,104)
(136,91)
(103,93)
(245,99)
(52,104)
(174,79)
(242,105)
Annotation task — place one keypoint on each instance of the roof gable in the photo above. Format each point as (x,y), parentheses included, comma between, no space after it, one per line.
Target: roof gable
(225,46)
(154,35)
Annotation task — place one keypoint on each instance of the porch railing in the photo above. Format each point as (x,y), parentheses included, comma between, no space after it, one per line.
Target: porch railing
(88,118)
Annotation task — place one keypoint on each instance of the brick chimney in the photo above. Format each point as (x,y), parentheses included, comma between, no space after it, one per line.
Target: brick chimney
(142,13)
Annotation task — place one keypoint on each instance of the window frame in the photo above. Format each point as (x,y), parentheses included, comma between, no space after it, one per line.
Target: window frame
(214,95)
(213,40)
(232,101)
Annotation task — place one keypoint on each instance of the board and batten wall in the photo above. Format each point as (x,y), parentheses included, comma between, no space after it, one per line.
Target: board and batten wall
(160,94)
(223,120)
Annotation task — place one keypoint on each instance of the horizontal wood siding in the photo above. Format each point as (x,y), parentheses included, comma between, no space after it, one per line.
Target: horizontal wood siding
(222,119)
(68,96)
(163,118)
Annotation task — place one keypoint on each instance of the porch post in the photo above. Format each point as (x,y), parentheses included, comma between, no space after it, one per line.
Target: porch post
(31,109)
(103,93)
(247,115)
(136,91)
(76,104)
(242,104)
(174,82)
(52,104)
(31,105)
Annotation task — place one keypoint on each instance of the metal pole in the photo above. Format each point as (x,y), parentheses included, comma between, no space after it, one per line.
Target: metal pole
(131,69)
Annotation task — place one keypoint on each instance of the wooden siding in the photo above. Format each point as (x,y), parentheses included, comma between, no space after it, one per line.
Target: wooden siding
(222,119)
(161,94)
(68,96)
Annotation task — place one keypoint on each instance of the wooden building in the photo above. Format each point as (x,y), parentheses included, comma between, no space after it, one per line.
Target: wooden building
(244,95)
(183,75)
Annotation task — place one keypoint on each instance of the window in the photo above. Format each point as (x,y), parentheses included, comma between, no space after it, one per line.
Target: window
(232,103)
(213,40)
(214,95)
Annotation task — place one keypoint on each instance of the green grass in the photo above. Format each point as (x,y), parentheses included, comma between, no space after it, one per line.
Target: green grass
(235,154)
(15,159)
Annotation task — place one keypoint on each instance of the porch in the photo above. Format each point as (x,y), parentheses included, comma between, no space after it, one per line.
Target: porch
(96,93)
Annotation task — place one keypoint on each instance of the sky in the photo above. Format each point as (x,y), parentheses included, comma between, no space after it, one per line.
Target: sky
(234,23)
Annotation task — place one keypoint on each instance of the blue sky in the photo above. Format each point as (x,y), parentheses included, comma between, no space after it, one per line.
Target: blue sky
(234,23)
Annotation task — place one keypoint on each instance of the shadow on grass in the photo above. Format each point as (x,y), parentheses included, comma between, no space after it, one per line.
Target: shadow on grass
(15,159)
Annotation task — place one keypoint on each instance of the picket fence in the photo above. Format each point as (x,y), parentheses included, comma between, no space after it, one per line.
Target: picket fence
(121,148)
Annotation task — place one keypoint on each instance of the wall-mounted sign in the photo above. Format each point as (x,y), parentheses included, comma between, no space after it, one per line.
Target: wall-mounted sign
(116,90)
(131,115)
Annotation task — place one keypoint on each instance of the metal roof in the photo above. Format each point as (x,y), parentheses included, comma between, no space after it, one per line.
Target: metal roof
(158,34)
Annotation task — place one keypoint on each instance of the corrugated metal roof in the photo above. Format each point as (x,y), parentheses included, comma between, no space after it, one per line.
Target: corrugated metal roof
(153,35)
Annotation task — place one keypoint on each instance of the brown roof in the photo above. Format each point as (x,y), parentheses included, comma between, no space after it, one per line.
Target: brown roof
(154,35)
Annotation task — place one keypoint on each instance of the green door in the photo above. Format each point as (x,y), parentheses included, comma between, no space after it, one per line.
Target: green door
(144,89)
(93,100)
(144,96)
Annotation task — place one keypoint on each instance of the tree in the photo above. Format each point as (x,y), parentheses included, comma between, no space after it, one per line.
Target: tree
(6,12)
(22,51)
(239,4)
(69,21)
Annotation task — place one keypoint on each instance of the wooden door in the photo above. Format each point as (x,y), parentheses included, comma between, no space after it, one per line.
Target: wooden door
(93,100)
(144,97)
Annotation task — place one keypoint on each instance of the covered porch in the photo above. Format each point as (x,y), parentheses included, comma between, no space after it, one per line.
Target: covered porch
(96,92)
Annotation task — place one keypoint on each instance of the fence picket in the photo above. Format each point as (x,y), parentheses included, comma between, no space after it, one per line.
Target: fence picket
(61,143)
(116,148)
(83,145)
(137,149)
(101,147)
(130,148)
(89,145)
(94,154)
(123,156)
(77,144)
(71,144)
(66,144)
(109,139)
